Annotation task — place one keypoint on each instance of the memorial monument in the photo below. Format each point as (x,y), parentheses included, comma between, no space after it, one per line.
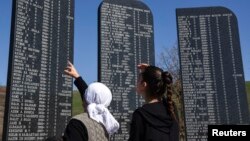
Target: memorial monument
(38,98)
(125,39)
(211,69)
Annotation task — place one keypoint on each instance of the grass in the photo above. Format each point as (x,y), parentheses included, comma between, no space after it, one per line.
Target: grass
(248,87)
(248,93)
(76,103)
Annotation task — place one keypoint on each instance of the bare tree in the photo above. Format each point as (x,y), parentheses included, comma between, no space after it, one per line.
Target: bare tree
(169,60)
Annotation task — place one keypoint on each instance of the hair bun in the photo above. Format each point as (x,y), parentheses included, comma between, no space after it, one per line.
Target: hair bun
(167,77)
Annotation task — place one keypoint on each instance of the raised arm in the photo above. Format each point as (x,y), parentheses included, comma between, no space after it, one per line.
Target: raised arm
(79,82)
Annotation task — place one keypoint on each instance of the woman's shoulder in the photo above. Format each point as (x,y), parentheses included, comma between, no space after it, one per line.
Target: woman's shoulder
(137,113)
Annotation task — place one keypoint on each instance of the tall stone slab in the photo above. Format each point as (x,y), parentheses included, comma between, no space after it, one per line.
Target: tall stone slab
(211,69)
(38,98)
(126,38)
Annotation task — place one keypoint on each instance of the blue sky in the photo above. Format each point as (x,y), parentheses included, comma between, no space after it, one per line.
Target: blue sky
(85,39)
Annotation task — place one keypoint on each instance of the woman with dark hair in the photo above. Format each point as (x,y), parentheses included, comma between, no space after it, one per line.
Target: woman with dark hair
(156,120)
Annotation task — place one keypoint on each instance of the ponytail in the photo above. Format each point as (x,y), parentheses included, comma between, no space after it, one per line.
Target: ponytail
(168,81)
(160,82)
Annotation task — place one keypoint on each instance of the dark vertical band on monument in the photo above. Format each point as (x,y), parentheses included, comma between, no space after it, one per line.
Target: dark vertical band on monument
(125,39)
(211,69)
(38,98)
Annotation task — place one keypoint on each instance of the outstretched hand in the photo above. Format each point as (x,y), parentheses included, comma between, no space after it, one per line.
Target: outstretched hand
(71,71)
(142,66)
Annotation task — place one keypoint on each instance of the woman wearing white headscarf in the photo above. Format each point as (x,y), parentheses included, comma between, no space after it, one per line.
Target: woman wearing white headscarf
(98,123)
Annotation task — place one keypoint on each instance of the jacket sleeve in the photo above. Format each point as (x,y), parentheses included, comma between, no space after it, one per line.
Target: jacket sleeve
(75,131)
(81,86)
(137,127)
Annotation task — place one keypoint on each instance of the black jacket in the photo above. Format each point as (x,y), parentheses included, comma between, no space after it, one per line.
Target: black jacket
(75,130)
(152,122)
